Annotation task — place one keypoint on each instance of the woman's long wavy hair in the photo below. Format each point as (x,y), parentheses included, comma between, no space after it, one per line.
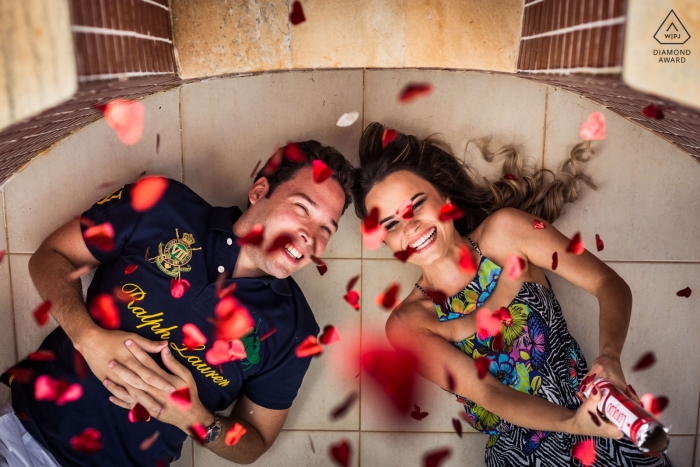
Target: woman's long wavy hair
(432,160)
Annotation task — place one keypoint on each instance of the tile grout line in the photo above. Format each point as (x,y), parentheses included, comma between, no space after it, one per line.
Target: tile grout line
(9,274)
(697,436)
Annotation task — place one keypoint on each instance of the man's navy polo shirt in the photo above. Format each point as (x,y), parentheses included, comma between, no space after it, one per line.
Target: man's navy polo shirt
(182,232)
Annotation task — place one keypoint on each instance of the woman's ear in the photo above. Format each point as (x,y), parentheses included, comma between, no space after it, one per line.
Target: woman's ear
(448,200)
(259,189)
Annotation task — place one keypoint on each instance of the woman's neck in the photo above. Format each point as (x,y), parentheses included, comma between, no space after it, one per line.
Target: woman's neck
(445,274)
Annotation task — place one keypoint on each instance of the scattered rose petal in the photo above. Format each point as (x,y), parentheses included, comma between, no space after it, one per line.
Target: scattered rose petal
(645,361)
(225,351)
(294,154)
(330,335)
(466,262)
(585,452)
(450,382)
(157,143)
(347,119)
(403,255)
(147,192)
(308,347)
(651,111)
(373,234)
(313,449)
(273,163)
(504,315)
(41,313)
(42,355)
(2,254)
(126,119)
(193,337)
(254,237)
(416,414)
(599,243)
(576,245)
(514,267)
(56,390)
(353,298)
(594,418)
(130,268)
(268,334)
(405,211)
(297,14)
(181,399)
(340,453)
(653,405)
(72,393)
(555,261)
(415,90)
(487,323)
(148,442)
(321,171)
(482,366)
(234,434)
(344,406)
(320,265)
(511,177)
(280,243)
(233,321)
(255,169)
(226,291)
(105,311)
(593,128)
(100,236)
(464,416)
(199,433)
(684,293)
(437,296)
(138,413)
(395,372)
(538,224)
(388,298)
(450,212)
(87,441)
(388,136)
(457,425)
(79,364)
(78,273)
(178,287)
(351,283)
(21,375)
(435,458)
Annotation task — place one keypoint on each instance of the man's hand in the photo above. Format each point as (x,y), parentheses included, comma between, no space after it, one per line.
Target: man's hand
(142,386)
(100,346)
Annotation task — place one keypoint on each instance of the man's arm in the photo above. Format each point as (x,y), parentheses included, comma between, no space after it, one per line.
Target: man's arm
(62,253)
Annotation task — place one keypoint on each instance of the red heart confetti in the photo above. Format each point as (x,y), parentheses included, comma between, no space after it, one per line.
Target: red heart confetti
(138,413)
(435,458)
(403,255)
(538,224)
(593,128)
(416,414)
(148,442)
(482,366)
(594,418)
(105,311)
(294,154)
(20,375)
(320,265)
(599,243)
(255,169)
(373,234)
(388,136)
(157,143)
(342,409)
(193,337)
(225,351)
(450,212)
(457,425)
(388,298)
(79,364)
(585,452)
(576,245)
(405,211)
(199,433)
(178,287)
(353,298)
(555,261)
(466,262)
(321,171)
(645,361)
(330,335)
(684,293)
(41,313)
(234,434)
(130,268)
(126,119)
(653,405)
(340,453)
(57,390)
(88,441)
(450,382)
(413,91)
(100,236)
(273,163)
(297,14)
(395,372)
(504,315)
(2,254)
(233,321)
(651,111)
(487,323)
(511,177)
(437,296)
(514,267)
(308,347)
(268,334)
(181,399)
(254,237)
(351,283)
(42,355)
(147,192)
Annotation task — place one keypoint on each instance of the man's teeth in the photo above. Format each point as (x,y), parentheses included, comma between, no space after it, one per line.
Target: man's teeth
(293,252)
(424,240)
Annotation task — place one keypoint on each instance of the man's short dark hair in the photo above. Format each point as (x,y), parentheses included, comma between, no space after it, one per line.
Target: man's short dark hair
(343,171)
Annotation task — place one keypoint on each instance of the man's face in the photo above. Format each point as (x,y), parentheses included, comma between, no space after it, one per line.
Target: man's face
(306,211)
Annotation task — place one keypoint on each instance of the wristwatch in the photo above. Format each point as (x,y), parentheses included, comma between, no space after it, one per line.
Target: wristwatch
(213,430)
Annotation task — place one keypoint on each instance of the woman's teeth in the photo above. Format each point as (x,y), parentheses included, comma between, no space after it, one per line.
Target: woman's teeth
(293,252)
(424,240)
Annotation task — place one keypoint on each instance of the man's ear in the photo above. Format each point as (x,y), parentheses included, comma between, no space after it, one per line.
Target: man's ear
(259,189)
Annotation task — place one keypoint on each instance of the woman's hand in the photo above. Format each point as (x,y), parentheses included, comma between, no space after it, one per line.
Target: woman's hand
(609,368)
(586,420)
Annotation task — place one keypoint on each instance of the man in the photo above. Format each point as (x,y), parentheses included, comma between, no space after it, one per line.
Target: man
(144,360)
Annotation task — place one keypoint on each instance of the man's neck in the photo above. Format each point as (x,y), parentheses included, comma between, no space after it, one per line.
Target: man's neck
(245,267)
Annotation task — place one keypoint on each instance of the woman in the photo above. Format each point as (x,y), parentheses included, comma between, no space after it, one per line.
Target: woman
(535,354)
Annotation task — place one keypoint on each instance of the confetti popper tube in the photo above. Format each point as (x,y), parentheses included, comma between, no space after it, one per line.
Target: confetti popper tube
(645,431)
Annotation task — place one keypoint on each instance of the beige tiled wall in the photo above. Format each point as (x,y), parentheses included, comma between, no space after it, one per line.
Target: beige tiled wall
(214,132)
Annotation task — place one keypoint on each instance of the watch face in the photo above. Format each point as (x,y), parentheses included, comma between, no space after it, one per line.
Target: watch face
(213,434)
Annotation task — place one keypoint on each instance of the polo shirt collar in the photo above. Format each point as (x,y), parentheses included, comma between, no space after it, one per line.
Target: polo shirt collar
(222,219)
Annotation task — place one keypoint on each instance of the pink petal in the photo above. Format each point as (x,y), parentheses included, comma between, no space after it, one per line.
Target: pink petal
(234,320)
(576,245)
(538,224)
(234,434)
(100,236)
(147,192)
(487,324)
(181,399)
(403,255)
(297,14)
(450,212)
(599,243)
(273,163)
(645,361)
(482,366)
(434,458)
(405,211)
(514,267)
(321,171)
(351,283)
(41,313)
(193,336)
(255,170)
(340,453)
(388,136)
(416,414)
(593,128)
(373,234)
(511,177)
(415,90)
(294,154)
(130,268)
(178,287)
(585,452)
(388,298)
(353,298)
(684,293)
(395,373)
(457,425)
(105,311)
(199,433)
(87,441)
(2,254)
(42,355)
(651,111)
(148,442)
(330,335)
(466,262)
(138,413)
(555,261)
(254,237)
(308,347)
(126,119)
(72,393)
(341,409)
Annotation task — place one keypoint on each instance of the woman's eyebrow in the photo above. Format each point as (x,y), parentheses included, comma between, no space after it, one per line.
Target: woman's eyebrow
(412,199)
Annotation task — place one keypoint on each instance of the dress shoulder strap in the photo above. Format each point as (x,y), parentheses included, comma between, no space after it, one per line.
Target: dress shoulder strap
(474,245)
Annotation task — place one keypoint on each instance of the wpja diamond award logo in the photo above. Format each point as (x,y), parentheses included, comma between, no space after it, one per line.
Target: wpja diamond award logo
(672,32)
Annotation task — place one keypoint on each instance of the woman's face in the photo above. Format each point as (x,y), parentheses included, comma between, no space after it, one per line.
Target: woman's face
(424,231)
